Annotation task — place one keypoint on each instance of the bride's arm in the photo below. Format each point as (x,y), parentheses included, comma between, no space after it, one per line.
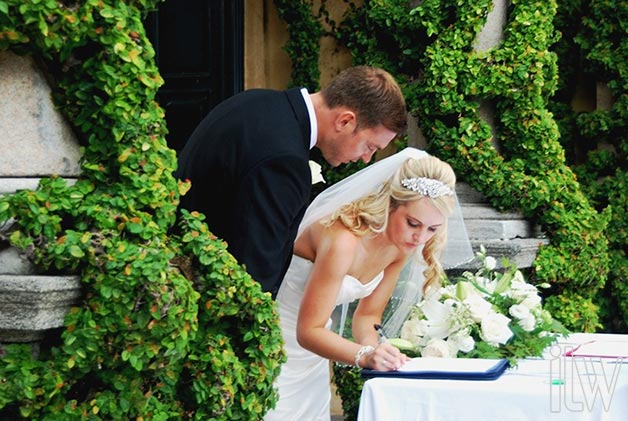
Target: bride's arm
(369,312)
(371,308)
(334,255)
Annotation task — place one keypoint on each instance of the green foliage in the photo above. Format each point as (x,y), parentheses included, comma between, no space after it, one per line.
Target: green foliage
(170,327)
(614,305)
(577,311)
(349,384)
(595,141)
(604,171)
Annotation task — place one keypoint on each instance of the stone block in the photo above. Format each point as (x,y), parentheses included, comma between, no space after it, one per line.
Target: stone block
(472,211)
(467,194)
(494,229)
(36,139)
(31,305)
(492,33)
(12,262)
(11,185)
(520,251)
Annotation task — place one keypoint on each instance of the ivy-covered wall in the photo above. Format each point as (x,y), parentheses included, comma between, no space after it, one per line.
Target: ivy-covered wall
(429,47)
(171,327)
(594,45)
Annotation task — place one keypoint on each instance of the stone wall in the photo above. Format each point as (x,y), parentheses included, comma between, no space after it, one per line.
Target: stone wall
(35,142)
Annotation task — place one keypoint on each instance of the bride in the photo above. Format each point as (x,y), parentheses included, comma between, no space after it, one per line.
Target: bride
(379,233)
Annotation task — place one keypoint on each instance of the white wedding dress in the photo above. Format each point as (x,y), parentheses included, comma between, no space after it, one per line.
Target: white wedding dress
(304,382)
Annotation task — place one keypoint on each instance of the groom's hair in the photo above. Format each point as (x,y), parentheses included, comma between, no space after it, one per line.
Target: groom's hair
(372,93)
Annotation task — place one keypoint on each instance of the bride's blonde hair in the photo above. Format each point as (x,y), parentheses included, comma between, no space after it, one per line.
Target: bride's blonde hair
(369,215)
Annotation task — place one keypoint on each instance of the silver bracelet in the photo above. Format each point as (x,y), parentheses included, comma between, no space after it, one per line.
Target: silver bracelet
(365,350)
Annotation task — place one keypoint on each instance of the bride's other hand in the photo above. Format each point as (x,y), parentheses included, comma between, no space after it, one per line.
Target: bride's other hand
(386,357)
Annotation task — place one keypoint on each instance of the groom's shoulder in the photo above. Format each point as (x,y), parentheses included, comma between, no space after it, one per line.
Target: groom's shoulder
(258,96)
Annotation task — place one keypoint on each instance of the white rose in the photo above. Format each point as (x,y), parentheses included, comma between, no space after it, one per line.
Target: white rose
(437,348)
(317,173)
(519,311)
(413,330)
(528,324)
(532,301)
(522,313)
(495,330)
(478,307)
(462,341)
(447,291)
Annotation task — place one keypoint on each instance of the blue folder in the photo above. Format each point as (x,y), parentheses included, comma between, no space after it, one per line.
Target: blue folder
(491,371)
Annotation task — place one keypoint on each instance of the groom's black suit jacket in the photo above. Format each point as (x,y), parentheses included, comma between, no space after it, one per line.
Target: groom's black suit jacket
(248,164)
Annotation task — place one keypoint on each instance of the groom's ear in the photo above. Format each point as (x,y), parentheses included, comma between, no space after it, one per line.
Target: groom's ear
(346,120)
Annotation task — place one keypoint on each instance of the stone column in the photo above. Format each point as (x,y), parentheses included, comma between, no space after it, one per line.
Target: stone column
(35,142)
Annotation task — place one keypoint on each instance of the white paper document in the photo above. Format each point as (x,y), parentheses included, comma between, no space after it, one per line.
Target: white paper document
(455,365)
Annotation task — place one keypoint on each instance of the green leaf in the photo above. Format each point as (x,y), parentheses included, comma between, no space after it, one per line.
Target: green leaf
(106,13)
(76,251)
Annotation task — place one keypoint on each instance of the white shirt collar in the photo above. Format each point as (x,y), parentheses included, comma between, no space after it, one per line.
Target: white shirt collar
(312,114)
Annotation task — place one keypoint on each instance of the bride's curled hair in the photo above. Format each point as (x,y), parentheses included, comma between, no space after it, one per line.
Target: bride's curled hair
(368,215)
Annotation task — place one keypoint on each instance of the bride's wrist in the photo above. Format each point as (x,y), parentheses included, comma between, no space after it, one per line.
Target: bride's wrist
(365,350)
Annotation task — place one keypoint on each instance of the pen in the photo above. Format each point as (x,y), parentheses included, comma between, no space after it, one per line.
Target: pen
(572,352)
(380,333)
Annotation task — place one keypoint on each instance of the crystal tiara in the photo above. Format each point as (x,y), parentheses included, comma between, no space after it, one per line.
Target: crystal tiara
(427,187)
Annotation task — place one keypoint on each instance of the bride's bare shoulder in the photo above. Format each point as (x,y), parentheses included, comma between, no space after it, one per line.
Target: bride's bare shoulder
(319,235)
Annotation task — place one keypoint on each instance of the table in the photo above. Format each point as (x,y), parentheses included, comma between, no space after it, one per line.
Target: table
(554,387)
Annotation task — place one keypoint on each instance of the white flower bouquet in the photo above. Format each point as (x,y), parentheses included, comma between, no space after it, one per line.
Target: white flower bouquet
(487,314)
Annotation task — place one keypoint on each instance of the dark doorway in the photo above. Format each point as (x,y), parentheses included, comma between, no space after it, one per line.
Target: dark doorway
(199,50)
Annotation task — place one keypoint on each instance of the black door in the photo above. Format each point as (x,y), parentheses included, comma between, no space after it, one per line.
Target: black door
(199,50)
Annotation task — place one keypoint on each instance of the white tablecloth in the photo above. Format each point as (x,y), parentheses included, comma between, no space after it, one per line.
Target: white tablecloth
(554,388)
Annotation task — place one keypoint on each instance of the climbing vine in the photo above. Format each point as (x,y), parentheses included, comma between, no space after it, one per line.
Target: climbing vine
(602,134)
(170,327)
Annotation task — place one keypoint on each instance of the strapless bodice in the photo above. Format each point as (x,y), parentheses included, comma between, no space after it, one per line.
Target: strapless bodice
(299,273)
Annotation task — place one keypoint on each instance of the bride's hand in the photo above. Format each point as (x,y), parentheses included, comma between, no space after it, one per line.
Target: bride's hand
(386,357)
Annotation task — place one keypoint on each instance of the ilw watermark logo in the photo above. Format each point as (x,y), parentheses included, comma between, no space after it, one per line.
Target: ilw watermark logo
(578,383)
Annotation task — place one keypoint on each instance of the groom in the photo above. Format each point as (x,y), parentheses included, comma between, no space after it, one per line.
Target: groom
(248,159)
